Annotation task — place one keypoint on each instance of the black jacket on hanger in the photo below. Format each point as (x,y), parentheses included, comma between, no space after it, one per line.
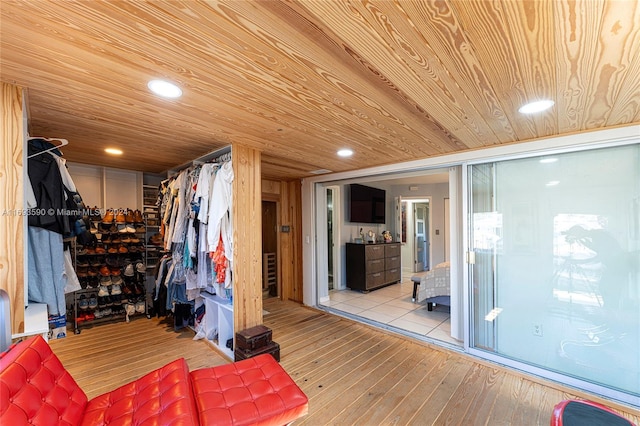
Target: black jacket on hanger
(48,189)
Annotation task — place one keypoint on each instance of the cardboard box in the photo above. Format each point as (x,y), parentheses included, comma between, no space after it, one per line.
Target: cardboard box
(57,326)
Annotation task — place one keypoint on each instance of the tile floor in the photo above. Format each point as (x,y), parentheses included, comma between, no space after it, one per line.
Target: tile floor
(392,305)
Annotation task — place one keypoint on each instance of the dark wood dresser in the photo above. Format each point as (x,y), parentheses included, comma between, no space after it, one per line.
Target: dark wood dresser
(371,266)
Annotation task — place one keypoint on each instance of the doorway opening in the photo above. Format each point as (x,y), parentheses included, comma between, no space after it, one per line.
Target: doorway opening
(330,239)
(414,217)
(269,249)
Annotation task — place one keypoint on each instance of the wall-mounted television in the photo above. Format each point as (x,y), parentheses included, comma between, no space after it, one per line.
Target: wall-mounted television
(366,204)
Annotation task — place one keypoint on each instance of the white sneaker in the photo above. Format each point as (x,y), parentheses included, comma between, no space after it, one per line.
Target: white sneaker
(103,291)
(141,268)
(129,271)
(115,289)
(130,309)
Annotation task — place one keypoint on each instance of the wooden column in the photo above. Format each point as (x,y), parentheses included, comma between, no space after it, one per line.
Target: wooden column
(247,238)
(11,202)
(292,242)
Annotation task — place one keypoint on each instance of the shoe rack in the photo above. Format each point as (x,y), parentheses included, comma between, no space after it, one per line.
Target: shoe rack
(111,269)
(151,218)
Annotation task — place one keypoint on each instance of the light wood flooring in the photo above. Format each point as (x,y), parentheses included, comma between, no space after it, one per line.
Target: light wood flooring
(352,373)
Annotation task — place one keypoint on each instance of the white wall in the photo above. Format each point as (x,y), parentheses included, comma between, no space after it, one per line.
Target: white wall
(107,188)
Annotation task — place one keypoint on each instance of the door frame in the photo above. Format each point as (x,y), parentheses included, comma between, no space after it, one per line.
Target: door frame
(280,285)
(427,199)
(336,218)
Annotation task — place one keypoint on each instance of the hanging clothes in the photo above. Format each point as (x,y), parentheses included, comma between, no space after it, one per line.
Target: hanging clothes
(195,207)
(48,188)
(46,271)
(220,224)
(56,205)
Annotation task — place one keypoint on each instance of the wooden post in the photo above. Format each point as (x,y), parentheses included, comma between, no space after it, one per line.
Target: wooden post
(247,237)
(11,203)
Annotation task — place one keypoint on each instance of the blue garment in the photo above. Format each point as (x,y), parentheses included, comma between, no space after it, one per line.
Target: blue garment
(46,273)
(177,294)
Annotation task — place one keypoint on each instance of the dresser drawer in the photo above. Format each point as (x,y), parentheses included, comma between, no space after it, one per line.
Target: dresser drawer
(375,265)
(391,250)
(392,275)
(392,262)
(374,251)
(375,280)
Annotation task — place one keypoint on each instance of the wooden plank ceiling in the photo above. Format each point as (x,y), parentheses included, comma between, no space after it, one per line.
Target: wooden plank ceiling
(298,80)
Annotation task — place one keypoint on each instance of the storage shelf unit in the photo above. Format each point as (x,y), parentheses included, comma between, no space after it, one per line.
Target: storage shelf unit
(152,222)
(371,266)
(218,323)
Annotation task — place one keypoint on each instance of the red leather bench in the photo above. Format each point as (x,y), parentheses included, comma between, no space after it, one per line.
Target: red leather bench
(36,389)
(577,412)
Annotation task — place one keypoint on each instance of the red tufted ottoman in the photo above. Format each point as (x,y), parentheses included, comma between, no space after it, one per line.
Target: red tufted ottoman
(256,391)
(36,389)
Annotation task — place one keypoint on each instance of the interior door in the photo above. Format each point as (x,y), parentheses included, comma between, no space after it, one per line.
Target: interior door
(420,240)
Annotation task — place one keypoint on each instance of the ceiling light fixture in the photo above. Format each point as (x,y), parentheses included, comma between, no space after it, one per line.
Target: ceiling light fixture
(536,106)
(553,183)
(164,89)
(345,153)
(113,151)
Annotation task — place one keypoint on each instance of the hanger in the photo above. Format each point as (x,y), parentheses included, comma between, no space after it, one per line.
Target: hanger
(63,142)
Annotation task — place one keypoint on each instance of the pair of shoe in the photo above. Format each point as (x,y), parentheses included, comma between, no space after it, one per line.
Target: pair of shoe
(82,271)
(103,291)
(130,309)
(93,229)
(126,228)
(83,303)
(105,271)
(85,317)
(121,218)
(156,239)
(129,270)
(109,216)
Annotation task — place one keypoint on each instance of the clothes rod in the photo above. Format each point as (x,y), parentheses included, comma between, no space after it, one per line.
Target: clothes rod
(217,156)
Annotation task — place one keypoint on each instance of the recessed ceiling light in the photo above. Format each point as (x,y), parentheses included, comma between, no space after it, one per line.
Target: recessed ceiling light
(164,89)
(536,106)
(553,183)
(113,151)
(345,153)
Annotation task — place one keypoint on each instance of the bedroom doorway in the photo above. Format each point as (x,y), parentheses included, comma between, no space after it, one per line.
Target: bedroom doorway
(421,240)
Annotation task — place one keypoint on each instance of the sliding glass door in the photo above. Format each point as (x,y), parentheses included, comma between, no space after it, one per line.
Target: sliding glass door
(555,254)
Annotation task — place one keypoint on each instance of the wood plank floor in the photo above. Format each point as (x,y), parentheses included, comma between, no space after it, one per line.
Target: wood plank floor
(352,373)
